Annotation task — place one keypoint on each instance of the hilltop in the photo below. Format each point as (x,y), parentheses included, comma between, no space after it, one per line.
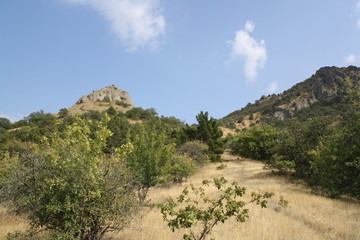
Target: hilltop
(320,95)
(100,100)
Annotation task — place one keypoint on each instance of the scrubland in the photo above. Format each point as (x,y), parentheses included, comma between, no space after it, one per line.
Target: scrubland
(306,216)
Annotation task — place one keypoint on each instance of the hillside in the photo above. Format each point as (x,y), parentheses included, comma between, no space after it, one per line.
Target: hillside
(305,217)
(320,95)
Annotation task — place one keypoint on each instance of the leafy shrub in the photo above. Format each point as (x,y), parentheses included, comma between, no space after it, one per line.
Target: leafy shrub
(206,210)
(68,185)
(180,168)
(196,150)
(257,143)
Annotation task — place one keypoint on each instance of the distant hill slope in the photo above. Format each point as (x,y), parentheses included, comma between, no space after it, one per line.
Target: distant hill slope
(102,99)
(320,95)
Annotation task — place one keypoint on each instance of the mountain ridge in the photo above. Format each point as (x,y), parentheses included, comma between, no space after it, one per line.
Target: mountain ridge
(326,87)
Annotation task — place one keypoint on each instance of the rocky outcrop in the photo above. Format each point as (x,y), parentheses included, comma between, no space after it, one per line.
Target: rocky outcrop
(326,88)
(102,99)
(108,94)
(326,83)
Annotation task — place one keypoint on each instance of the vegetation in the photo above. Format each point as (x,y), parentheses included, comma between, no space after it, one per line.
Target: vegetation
(325,155)
(68,185)
(206,210)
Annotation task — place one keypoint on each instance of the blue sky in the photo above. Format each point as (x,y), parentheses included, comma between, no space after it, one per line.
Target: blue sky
(177,56)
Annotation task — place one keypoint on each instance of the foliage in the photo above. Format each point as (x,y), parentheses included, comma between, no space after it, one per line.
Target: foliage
(208,131)
(122,103)
(149,158)
(139,113)
(5,124)
(63,112)
(196,150)
(296,143)
(40,119)
(119,127)
(111,111)
(206,210)
(258,142)
(68,185)
(336,164)
(180,168)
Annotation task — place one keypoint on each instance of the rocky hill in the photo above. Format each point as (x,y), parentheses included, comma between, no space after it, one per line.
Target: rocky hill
(321,94)
(102,99)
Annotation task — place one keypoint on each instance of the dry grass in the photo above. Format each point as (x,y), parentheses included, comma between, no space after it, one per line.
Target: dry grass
(10,223)
(307,216)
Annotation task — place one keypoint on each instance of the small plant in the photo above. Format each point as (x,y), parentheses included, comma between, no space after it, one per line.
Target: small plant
(201,208)
(221,166)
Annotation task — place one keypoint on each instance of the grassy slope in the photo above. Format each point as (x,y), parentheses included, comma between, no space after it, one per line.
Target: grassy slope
(307,216)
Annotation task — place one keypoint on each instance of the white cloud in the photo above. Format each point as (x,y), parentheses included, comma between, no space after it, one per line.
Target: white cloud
(252,50)
(136,23)
(352,58)
(272,87)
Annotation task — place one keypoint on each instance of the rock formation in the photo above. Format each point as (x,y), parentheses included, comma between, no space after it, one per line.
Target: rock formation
(100,100)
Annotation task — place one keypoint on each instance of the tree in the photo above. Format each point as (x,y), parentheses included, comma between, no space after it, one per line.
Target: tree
(149,158)
(206,210)
(5,123)
(257,143)
(63,113)
(336,162)
(195,150)
(68,185)
(208,131)
(111,111)
(180,168)
(297,142)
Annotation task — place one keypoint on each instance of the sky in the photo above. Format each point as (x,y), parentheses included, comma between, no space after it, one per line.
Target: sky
(177,56)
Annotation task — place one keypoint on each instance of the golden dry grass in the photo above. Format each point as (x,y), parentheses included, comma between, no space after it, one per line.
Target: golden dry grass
(307,216)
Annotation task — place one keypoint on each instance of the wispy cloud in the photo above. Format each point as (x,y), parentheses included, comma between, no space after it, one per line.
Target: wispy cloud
(351,58)
(136,23)
(272,88)
(252,50)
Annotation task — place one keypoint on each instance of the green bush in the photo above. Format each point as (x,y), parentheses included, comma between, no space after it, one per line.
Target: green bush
(68,185)
(257,143)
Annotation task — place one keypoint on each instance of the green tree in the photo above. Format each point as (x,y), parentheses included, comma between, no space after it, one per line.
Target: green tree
(68,185)
(336,162)
(63,113)
(201,208)
(297,142)
(208,131)
(5,123)
(180,168)
(111,111)
(195,150)
(257,143)
(150,157)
